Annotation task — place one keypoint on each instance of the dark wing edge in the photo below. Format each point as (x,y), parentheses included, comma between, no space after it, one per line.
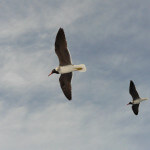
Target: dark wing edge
(135,108)
(61,48)
(65,84)
(133,91)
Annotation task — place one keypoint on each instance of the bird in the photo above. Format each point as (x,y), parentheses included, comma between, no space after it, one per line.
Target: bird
(136,98)
(65,67)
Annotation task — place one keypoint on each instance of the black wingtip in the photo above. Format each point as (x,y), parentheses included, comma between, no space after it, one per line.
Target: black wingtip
(61,30)
(69,97)
(60,34)
(136,114)
(131,82)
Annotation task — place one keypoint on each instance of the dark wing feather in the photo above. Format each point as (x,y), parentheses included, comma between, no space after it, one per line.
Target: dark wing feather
(135,108)
(61,48)
(65,83)
(133,91)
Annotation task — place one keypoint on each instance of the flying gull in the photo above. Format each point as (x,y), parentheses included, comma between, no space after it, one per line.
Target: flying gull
(65,67)
(136,98)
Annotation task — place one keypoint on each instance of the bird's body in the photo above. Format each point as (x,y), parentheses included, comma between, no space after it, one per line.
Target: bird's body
(65,67)
(70,68)
(137,101)
(136,98)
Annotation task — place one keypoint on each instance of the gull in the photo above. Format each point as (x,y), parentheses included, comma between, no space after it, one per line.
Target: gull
(65,67)
(136,98)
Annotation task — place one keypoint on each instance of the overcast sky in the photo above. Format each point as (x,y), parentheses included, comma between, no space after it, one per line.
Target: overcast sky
(111,37)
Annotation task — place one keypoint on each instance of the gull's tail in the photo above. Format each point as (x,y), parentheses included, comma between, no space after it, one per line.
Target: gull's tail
(80,67)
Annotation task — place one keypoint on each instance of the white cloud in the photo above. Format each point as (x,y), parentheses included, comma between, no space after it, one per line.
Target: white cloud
(68,126)
(60,125)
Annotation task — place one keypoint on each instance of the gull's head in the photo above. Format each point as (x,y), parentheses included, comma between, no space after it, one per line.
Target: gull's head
(130,103)
(54,71)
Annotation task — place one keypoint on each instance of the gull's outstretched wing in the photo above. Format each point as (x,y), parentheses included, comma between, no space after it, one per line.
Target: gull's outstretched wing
(61,48)
(65,83)
(135,108)
(133,91)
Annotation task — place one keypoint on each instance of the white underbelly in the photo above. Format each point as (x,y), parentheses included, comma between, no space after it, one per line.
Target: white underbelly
(71,68)
(66,69)
(136,101)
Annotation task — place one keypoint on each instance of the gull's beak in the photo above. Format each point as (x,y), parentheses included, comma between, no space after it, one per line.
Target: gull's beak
(128,104)
(50,73)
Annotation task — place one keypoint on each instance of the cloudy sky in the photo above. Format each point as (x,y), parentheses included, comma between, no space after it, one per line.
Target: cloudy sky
(111,37)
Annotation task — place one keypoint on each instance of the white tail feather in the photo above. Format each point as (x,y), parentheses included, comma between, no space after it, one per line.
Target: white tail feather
(81,67)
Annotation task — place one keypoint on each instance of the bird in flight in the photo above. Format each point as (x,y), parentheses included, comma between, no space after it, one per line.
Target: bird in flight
(65,67)
(136,98)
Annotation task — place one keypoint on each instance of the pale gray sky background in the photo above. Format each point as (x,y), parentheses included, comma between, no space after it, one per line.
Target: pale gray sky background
(111,37)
